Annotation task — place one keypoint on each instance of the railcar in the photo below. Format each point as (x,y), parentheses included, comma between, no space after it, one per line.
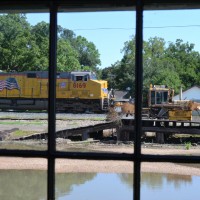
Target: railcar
(75,91)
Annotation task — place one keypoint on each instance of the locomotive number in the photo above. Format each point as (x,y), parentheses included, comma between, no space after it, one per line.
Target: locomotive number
(79,85)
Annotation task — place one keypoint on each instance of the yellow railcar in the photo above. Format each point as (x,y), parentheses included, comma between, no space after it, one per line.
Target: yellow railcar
(75,91)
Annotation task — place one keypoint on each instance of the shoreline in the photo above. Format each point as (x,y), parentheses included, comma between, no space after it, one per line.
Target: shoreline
(104,166)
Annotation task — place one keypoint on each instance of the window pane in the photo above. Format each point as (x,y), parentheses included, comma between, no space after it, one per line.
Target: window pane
(171,57)
(24,51)
(95,67)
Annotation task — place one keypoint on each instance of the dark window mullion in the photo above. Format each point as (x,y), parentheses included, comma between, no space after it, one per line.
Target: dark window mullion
(138,97)
(52,101)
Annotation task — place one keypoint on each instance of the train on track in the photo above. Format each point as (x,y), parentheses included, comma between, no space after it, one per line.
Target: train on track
(76,92)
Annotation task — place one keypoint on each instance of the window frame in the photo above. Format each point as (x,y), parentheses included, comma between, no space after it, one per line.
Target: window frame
(51,154)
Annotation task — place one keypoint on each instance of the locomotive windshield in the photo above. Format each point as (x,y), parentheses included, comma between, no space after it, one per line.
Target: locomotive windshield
(83,76)
(93,76)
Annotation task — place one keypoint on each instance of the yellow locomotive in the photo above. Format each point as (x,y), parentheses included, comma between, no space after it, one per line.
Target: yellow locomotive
(75,91)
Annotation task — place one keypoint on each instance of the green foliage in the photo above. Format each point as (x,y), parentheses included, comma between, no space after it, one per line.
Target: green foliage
(108,74)
(186,62)
(21,133)
(87,53)
(67,57)
(17,46)
(188,145)
(24,47)
(174,65)
(40,33)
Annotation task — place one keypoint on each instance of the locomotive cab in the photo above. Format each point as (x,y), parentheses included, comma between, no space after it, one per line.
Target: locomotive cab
(86,86)
(83,76)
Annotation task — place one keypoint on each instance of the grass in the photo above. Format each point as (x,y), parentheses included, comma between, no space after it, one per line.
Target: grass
(20,133)
(20,122)
(185,135)
(188,145)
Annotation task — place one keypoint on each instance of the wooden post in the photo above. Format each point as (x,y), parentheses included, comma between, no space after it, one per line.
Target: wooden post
(160,138)
(85,135)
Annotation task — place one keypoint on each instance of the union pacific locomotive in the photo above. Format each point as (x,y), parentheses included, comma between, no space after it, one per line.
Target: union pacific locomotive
(75,91)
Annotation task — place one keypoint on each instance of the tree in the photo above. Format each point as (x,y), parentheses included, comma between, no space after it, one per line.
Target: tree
(186,62)
(87,53)
(41,36)
(17,47)
(125,69)
(109,74)
(173,65)
(153,58)
(24,47)
(67,57)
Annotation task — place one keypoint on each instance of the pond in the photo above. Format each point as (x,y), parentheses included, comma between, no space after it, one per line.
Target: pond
(29,184)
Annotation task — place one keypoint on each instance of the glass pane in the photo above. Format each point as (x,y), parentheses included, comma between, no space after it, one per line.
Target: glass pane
(169,181)
(23,178)
(95,78)
(24,43)
(171,73)
(83,179)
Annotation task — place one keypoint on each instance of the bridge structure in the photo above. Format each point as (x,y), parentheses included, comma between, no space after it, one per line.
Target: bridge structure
(91,131)
(161,127)
(126,131)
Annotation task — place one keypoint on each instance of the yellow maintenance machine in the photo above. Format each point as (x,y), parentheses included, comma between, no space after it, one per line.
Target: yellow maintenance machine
(161,104)
(160,115)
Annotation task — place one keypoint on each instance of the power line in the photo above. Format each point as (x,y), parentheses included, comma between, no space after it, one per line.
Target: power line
(146,27)
(94,29)
(177,26)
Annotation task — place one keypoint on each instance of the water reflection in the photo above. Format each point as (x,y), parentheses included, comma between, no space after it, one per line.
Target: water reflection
(23,185)
(103,186)
(66,181)
(29,184)
(169,186)
(153,180)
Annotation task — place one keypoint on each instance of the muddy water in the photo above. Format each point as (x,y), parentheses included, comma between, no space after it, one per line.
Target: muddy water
(31,185)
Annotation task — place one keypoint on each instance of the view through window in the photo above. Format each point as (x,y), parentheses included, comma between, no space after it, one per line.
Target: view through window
(100,104)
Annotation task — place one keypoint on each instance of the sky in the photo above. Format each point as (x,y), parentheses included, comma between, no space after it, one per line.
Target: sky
(110,30)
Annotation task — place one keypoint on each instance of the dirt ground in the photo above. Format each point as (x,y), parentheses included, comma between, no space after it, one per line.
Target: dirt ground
(70,165)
